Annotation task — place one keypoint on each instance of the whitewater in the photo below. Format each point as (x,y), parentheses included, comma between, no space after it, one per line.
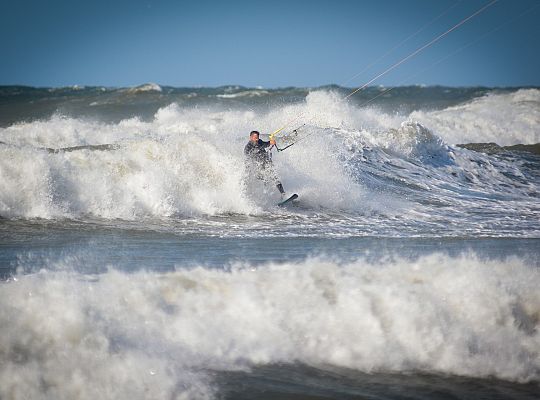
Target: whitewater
(138,261)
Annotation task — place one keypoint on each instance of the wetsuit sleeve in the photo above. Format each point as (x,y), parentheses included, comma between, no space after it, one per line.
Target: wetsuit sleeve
(264,144)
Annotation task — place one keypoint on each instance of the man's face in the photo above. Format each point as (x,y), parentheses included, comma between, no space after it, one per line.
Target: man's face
(254,137)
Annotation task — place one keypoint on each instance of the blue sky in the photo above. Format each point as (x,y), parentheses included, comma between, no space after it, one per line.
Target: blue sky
(268,43)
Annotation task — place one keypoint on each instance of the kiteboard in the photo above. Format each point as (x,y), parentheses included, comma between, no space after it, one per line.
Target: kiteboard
(288,200)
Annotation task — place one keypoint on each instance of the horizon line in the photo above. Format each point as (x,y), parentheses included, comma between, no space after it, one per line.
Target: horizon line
(260,87)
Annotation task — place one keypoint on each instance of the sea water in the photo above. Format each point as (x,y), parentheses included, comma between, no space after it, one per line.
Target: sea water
(137,261)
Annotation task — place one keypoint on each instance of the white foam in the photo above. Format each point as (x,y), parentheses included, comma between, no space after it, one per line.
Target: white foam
(185,161)
(148,335)
(505,119)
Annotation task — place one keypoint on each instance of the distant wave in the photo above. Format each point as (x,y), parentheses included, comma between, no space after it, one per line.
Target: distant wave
(246,93)
(147,87)
(494,148)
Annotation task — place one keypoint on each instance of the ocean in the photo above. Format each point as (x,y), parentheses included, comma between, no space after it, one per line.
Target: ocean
(138,261)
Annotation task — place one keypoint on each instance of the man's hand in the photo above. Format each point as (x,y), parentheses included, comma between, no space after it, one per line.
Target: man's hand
(272,142)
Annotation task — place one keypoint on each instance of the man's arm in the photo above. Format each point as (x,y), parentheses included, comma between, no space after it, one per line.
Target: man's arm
(264,144)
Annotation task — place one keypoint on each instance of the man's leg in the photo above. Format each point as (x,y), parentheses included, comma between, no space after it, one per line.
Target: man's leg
(271,172)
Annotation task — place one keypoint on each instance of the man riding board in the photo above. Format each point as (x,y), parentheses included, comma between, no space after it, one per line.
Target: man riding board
(257,152)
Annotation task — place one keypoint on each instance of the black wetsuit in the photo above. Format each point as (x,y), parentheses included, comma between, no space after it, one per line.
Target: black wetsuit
(259,159)
(256,152)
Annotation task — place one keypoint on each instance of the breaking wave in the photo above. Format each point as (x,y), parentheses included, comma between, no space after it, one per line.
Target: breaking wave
(118,335)
(189,161)
(506,119)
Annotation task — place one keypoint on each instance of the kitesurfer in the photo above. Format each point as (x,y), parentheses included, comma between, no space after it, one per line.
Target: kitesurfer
(259,160)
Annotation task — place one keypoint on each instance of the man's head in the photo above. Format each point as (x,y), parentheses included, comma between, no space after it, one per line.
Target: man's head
(254,136)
